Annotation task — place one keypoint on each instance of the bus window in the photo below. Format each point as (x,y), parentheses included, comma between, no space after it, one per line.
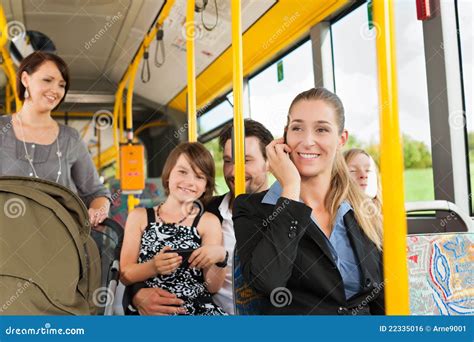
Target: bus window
(213,147)
(273,89)
(413,103)
(355,73)
(355,78)
(465,31)
(215,117)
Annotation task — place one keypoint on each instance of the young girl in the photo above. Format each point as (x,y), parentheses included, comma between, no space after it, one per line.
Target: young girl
(152,235)
(307,244)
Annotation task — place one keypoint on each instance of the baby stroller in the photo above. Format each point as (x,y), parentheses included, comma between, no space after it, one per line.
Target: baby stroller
(49,262)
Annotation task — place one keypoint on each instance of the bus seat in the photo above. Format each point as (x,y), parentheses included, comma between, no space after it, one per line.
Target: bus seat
(440,269)
(439,223)
(440,265)
(246,300)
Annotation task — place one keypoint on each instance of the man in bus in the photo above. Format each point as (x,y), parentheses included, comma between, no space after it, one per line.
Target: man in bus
(155,301)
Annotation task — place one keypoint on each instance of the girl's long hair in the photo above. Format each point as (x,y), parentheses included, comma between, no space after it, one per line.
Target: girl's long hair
(342,186)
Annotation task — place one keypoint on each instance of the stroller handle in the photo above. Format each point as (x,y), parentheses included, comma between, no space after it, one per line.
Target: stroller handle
(118,229)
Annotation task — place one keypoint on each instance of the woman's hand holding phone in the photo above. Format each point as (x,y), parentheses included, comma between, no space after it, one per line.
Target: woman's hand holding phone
(283,168)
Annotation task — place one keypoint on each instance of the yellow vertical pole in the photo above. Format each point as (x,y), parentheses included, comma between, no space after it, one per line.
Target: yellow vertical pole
(7,61)
(99,150)
(116,141)
(237,79)
(394,218)
(11,75)
(117,136)
(121,128)
(190,32)
(129,77)
(128,104)
(3,27)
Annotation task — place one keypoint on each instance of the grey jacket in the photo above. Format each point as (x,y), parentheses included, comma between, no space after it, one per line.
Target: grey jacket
(78,172)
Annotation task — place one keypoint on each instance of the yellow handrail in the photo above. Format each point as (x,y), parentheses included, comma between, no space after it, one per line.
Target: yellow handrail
(394,218)
(190,32)
(129,77)
(290,21)
(108,157)
(4,27)
(157,123)
(239,152)
(133,67)
(120,113)
(73,114)
(128,103)
(117,123)
(11,75)
(7,61)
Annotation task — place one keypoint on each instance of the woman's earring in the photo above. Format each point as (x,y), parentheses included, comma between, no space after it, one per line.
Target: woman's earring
(27,94)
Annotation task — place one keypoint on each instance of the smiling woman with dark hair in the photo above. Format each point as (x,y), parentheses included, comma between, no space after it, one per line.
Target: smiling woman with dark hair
(33,144)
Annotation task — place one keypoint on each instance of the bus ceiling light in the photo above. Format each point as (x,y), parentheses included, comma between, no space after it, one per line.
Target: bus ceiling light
(425,9)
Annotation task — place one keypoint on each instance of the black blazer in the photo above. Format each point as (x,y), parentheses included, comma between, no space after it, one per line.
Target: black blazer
(281,247)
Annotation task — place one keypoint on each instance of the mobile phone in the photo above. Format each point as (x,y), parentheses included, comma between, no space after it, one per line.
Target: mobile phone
(284,140)
(185,253)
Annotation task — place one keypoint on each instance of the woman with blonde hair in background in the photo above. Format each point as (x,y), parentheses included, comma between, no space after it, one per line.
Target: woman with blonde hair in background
(365,173)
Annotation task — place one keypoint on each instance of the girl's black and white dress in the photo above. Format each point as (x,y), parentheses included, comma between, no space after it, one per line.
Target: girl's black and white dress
(186,283)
